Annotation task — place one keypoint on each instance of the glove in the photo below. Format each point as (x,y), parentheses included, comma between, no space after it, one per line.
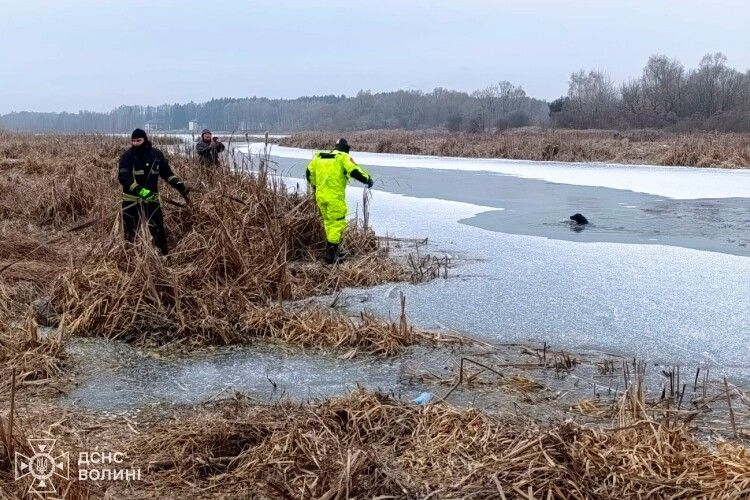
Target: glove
(180,187)
(370,183)
(148,195)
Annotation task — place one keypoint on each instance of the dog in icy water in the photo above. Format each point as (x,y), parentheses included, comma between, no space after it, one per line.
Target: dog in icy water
(579,219)
(578,222)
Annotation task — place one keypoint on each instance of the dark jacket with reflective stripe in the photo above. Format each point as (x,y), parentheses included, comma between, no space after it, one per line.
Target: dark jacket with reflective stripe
(142,170)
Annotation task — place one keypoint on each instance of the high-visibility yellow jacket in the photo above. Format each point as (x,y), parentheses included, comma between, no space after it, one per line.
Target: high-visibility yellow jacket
(329,172)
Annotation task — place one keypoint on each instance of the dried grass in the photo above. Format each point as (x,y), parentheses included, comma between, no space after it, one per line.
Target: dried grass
(14,434)
(243,247)
(23,351)
(648,147)
(230,262)
(369,445)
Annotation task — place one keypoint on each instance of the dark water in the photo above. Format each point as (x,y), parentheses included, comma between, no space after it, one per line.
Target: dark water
(540,208)
(637,282)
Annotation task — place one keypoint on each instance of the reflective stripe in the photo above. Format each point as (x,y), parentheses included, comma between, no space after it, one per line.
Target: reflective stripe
(130,197)
(133,186)
(139,172)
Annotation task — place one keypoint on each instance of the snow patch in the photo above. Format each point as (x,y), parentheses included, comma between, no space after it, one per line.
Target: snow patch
(671,182)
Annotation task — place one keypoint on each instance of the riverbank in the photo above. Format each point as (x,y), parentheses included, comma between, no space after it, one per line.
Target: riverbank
(370,444)
(640,147)
(244,258)
(63,262)
(508,420)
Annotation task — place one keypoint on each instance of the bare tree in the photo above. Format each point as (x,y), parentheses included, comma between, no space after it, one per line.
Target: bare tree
(487,99)
(592,99)
(716,88)
(662,86)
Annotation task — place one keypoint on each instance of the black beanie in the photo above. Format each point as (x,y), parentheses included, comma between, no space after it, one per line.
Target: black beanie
(341,145)
(139,134)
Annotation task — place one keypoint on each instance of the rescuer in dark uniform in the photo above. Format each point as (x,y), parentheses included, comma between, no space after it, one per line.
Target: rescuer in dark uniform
(140,169)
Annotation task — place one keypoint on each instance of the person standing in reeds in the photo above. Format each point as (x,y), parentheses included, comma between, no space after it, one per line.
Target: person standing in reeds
(328,174)
(140,169)
(208,149)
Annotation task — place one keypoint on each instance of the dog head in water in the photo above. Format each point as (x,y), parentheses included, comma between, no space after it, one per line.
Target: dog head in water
(579,219)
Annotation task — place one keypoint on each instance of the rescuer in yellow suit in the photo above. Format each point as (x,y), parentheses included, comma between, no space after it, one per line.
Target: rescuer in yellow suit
(328,173)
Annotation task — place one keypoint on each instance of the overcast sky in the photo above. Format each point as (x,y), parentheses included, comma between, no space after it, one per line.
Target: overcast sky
(68,55)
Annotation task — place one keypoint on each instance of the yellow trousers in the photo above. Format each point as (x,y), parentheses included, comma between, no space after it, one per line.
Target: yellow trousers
(333,212)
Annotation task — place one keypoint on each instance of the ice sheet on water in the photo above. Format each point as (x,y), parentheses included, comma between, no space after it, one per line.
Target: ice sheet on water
(432,206)
(671,182)
(657,302)
(119,377)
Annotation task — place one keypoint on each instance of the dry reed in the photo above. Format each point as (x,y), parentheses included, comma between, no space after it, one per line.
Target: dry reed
(369,445)
(243,246)
(648,147)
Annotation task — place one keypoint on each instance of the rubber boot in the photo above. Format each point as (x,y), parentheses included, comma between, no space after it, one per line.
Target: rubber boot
(330,256)
(339,255)
(333,254)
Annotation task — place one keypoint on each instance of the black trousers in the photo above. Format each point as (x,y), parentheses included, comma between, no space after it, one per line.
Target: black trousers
(133,213)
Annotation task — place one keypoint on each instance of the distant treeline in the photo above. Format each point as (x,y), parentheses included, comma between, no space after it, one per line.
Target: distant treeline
(710,97)
(401,109)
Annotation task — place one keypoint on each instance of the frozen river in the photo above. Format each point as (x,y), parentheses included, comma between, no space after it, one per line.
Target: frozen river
(662,273)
